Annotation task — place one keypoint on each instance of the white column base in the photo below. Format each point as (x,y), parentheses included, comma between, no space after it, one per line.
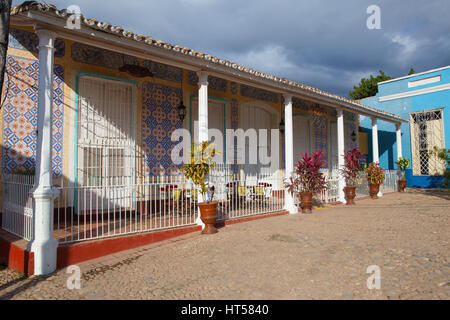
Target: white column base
(44,245)
(289,204)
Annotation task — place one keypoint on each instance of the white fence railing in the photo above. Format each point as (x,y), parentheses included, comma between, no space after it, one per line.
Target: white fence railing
(246,195)
(153,203)
(390,182)
(17,205)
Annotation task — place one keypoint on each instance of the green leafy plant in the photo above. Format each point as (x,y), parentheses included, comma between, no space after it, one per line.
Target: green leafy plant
(403,164)
(368,87)
(375,174)
(201,161)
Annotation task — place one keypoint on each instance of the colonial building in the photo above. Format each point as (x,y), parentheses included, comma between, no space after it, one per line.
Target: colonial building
(86,130)
(424,99)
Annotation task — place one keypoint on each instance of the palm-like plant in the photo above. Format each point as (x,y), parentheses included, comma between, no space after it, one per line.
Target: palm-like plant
(403,164)
(201,161)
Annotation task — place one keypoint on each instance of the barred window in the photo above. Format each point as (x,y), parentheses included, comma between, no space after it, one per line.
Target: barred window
(427,132)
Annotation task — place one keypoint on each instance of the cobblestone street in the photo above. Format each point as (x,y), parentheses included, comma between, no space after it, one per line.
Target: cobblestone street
(324,255)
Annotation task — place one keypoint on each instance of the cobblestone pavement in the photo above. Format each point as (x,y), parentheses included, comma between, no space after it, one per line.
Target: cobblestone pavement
(324,255)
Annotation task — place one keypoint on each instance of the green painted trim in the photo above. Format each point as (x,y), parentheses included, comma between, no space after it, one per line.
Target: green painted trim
(98,75)
(308,116)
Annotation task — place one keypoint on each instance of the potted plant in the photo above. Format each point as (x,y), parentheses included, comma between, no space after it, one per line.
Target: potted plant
(403,164)
(307,179)
(201,161)
(350,171)
(375,176)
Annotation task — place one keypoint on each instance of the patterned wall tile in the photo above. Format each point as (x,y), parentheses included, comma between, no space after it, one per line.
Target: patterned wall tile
(349,128)
(300,104)
(28,41)
(349,116)
(164,71)
(159,120)
(100,57)
(214,83)
(20,116)
(320,135)
(260,94)
(234,87)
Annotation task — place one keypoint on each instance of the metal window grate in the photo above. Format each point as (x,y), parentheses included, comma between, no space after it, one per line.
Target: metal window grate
(427,132)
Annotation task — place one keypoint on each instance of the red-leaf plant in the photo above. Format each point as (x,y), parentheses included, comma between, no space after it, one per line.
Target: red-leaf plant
(307,176)
(352,166)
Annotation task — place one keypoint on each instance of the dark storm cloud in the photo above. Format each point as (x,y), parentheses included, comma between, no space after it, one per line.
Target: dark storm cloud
(321,43)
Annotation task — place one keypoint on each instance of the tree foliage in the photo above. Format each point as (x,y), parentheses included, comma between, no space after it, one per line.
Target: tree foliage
(368,87)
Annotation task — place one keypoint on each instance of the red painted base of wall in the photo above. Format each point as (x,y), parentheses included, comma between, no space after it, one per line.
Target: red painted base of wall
(19,259)
(83,251)
(16,258)
(245,219)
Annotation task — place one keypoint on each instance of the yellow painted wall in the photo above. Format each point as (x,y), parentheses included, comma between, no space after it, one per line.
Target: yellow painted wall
(363,138)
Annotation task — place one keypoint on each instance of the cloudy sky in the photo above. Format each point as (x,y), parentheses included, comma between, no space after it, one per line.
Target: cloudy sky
(322,43)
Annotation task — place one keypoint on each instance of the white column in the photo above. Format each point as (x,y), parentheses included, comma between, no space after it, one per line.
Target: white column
(202,120)
(289,203)
(398,128)
(44,245)
(375,153)
(341,153)
(202,106)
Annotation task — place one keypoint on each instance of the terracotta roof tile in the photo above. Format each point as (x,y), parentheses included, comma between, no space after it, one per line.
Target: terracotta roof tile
(107,27)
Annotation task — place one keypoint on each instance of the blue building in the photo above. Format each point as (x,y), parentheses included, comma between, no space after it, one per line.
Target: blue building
(424,99)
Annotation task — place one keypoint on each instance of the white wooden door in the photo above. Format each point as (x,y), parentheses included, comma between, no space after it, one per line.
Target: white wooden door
(106,145)
(255,117)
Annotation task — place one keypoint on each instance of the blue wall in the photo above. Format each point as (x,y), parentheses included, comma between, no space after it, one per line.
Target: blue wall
(403,107)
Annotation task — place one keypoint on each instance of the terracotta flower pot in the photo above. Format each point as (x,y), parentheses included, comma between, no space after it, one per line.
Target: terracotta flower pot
(350,194)
(401,185)
(306,200)
(374,189)
(208,214)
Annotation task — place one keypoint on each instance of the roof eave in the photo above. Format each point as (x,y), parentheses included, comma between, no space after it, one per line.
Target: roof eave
(92,35)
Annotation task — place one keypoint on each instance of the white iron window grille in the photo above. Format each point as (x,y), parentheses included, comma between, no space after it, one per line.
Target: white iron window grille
(427,132)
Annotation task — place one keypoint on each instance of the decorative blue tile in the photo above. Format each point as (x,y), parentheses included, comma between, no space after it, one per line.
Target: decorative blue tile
(24,76)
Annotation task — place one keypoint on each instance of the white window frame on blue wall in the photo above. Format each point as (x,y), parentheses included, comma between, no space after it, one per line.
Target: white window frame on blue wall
(427,132)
